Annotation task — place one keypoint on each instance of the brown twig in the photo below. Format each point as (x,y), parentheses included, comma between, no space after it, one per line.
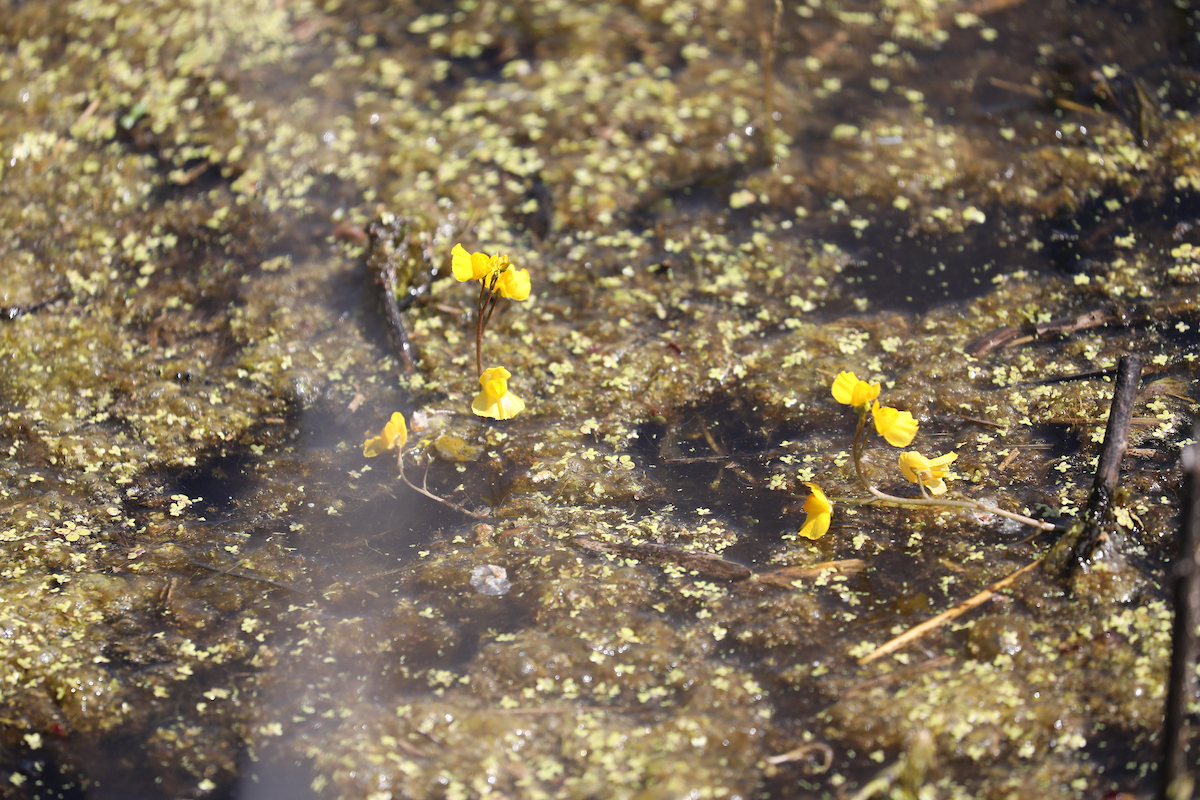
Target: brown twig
(785,577)
(803,751)
(1177,781)
(912,634)
(1076,545)
(382,259)
(706,565)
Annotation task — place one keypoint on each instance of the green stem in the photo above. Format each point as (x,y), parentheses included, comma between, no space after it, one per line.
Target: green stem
(893,500)
(425,491)
(483,315)
(479,328)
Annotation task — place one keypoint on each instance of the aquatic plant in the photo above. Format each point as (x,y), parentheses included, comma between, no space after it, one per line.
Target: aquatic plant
(849,390)
(899,428)
(497,278)
(820,512)
(393,437)
(494,400)
(928,473)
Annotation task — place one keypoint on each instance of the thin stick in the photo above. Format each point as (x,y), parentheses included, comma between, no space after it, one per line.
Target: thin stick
(912,634)
(1177,781)
(1076,546)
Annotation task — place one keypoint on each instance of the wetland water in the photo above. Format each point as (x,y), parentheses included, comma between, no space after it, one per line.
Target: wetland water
(209,591)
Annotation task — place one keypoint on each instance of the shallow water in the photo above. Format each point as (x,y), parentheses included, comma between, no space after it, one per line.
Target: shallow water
(210,592)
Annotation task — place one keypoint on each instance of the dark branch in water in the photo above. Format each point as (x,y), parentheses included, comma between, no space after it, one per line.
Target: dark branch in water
(1077,545)
(1177,309)
(397,264)
(1177,780)
(706,564)
(12,312)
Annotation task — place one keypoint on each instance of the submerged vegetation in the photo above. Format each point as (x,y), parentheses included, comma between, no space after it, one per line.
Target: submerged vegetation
(632,587)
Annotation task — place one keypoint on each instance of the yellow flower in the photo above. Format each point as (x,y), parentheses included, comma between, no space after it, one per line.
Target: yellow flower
(495,400)
(819,511)
(928,472)
(513,284)
(849,390)
(469,266)
(476,266)
(898,427)
(395,434)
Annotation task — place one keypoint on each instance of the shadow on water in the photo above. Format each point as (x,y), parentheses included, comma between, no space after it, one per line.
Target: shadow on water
(719,451)
(899,267)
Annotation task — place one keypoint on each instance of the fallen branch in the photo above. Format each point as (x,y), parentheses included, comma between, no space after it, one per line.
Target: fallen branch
(1078,543)
(1177,780)
(912,634)
(706,565)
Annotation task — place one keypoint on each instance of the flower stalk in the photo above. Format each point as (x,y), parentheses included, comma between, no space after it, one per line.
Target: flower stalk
(925,501)
(497,278)
(393,437)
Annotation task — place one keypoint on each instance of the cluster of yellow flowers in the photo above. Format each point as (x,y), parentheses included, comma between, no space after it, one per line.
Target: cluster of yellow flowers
(895,426)
(497,278)
(898,428)
(496,272)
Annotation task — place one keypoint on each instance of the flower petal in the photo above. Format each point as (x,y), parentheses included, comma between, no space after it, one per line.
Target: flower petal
(481,266)
(514,284)
(942,461)
(897,427)
(394,434)
(914,465)
(495,400)
(851,391)
(819,510)
(816,526)
(460,262)
(843,387)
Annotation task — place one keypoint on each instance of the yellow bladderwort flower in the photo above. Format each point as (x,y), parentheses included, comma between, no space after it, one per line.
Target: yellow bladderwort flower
(497,278)
(513,284)
(475,266)
(819,511)
(395,434)
(927,472)
(849,390)
(495,400)
(897,427)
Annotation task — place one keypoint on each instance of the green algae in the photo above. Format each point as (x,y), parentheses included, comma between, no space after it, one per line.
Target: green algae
(197,558)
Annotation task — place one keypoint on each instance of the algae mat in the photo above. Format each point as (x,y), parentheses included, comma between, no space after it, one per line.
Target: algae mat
(208,591)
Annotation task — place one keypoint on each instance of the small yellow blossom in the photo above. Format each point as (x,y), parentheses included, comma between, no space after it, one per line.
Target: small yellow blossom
(819,511)
(928,472)
(513,284)
(474,266)
(495,400)
(495,272)
(395,434)
(897,427)
(848,389)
